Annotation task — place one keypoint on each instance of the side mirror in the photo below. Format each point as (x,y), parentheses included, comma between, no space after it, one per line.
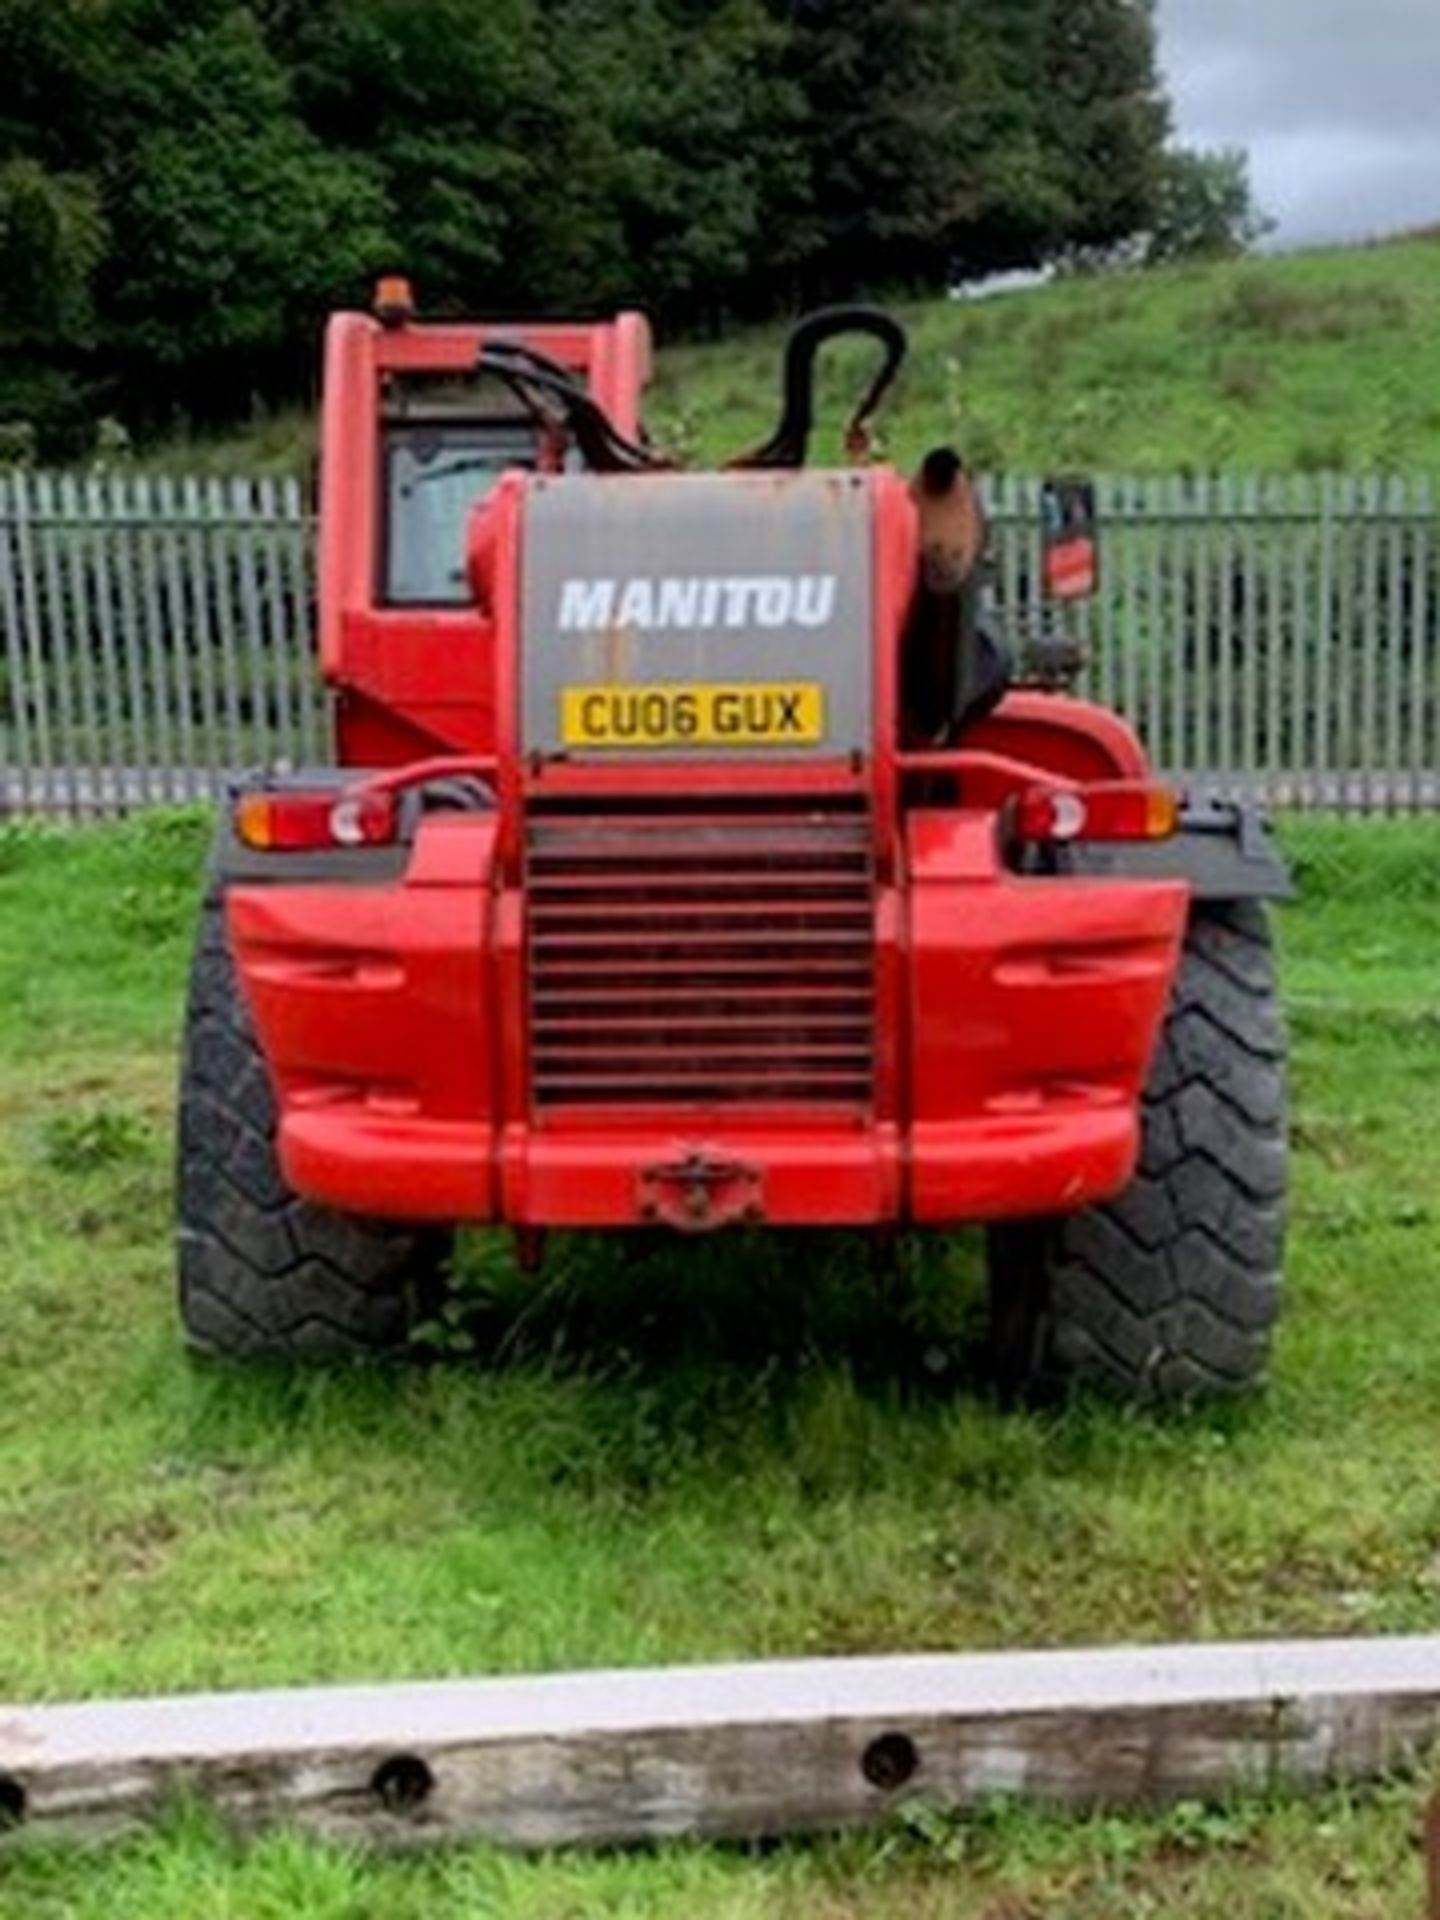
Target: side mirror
(1072,559)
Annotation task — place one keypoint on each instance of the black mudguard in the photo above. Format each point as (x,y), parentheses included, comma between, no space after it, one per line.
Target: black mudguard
(1226,851)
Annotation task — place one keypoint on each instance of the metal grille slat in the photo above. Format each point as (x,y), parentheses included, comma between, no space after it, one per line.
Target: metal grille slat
(698,957)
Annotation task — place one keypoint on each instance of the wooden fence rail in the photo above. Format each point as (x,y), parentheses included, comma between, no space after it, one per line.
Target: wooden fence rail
(1279,637)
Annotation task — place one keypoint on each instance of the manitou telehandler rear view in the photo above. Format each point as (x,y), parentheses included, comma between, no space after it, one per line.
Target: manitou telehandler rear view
(689,862)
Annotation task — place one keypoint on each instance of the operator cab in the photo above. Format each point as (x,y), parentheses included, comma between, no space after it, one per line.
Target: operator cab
(443,445)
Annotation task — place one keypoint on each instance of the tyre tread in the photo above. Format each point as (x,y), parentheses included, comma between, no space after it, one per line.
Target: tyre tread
(1171,1291)
(264,1273)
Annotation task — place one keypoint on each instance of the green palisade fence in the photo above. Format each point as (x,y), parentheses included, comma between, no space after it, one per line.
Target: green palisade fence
(155,634)
(1275,637)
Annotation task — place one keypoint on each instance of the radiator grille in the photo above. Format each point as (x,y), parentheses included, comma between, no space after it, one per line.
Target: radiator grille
(701,955)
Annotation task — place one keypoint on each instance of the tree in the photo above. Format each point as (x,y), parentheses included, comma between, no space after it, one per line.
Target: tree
(52,57)
(1104,119)
(235,224)
(53,232)
(432,101)
(973,133)
(1206,209)
(884,133)
(187,185)
(53,237)
(697,179)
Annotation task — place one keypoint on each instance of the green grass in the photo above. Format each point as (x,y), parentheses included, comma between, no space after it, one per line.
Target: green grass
(1316,361)
(755,1455)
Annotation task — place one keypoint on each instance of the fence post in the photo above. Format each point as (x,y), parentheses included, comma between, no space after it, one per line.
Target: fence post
(17,753)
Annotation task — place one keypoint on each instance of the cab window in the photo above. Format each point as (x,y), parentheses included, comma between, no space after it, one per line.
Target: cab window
(433,472)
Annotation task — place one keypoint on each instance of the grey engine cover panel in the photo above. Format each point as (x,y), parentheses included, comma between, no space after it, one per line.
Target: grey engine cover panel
(710,579)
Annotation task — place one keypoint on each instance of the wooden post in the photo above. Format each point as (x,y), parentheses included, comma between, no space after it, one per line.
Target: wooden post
(733,1752)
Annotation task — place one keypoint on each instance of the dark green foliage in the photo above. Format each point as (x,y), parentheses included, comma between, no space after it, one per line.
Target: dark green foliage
(432,99)
(966,135)
(1102,118)
(237,222)
(186,186)
(701,189)
(1207,210)
(52,239)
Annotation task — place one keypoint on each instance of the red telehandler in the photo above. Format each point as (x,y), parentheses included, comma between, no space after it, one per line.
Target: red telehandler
(689,860)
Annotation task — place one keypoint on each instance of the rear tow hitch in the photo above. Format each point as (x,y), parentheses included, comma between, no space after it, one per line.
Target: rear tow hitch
(700,1194)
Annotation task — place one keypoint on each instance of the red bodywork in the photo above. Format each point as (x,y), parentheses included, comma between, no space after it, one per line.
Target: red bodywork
(415,683)
(515,1031)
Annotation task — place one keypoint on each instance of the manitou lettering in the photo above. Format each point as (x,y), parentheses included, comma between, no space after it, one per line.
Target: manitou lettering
(696,603)
(585,605)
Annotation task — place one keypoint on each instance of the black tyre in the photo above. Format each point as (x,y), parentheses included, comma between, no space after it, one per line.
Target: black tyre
(263,1273)
(1171,1292)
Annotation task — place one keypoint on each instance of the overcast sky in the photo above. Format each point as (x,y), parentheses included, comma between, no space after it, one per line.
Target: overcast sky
(1337,101)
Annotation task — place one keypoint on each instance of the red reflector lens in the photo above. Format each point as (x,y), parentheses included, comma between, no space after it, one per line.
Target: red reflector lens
(1118,810)
(312,822)
(1072,570)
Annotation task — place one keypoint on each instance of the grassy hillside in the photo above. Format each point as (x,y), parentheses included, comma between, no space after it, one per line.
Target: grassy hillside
(1329,360)
(1322,360)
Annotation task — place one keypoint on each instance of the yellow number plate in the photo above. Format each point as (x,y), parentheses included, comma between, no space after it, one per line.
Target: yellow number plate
(687,714)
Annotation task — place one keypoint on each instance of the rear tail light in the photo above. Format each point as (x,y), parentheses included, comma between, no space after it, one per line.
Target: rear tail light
(315,822)
(1118,810)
